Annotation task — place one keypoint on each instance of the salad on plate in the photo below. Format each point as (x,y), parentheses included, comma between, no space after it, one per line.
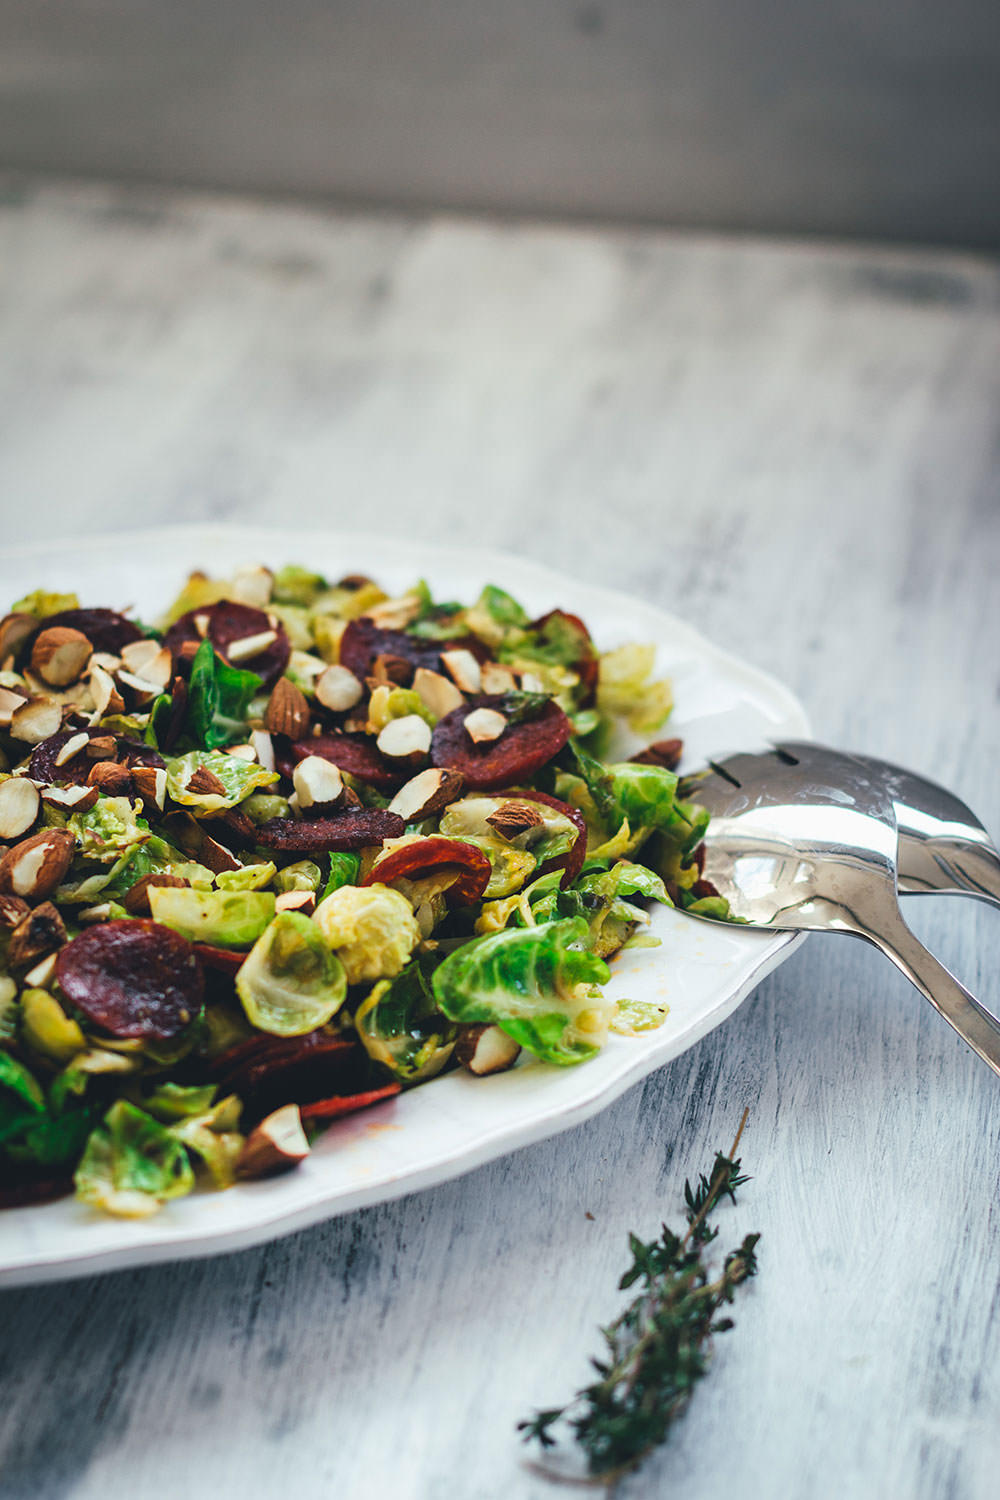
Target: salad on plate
(301,845)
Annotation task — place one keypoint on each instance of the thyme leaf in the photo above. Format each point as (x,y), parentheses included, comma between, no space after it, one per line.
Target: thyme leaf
(658,1349)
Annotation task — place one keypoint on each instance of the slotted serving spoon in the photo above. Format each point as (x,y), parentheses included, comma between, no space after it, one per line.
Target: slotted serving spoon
(807,842)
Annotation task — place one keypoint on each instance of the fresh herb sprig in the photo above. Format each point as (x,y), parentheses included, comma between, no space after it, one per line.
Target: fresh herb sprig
(658,1349)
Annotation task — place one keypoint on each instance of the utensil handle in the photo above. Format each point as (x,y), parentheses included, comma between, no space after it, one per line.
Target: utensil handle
(973,1022)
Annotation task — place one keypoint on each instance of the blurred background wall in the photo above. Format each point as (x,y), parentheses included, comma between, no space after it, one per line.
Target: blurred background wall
(872,118)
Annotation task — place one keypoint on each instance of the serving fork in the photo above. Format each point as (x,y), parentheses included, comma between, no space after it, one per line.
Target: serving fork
(802,838)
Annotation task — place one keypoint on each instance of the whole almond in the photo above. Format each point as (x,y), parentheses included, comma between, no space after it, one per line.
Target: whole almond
(15,631)
(150,783)
(12,909)
(136,901)
(205,783)
(287,710)
(36,865)
(110,778)
(42,931)
(60,655)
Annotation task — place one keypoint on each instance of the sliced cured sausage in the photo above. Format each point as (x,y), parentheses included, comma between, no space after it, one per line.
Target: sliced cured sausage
(355,753)
(521,750)
(105,629)
(350,830)
(426,856)
(324,1110)
(226,624)
(133,978)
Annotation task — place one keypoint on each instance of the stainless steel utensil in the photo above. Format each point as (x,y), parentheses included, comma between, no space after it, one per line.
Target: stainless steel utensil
(808,842)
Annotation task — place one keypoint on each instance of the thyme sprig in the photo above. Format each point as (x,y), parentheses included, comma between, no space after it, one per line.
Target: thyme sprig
(659,1348)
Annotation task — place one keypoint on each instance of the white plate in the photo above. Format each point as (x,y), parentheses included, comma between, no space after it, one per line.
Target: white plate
(457,1122)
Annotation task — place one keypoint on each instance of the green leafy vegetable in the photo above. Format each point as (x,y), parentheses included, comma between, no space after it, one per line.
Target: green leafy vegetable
(238,778)
(401,1027)
(227,919)
(132,1164)
(290,983)
(344,870)
(536,983)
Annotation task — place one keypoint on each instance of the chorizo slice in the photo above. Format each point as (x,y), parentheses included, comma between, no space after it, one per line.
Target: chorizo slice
(355,753)
(228,623)
(521,750)
(324,1110)
(268,1071)
(363,640)
(350,830)
(42,765)
(133,978)
(105,629)
(424,857)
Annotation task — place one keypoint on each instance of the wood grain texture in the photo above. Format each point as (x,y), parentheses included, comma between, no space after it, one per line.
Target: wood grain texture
(797,448)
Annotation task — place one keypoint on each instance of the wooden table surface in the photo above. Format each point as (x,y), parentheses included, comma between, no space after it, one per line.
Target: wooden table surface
(795,446)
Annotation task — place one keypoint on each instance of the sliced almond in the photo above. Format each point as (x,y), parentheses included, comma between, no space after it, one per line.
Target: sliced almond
(137,655)
(73,746)
(12,910)
(102,747)
(9,701)
(338,689)
(484,724)
(464,669)
(395,614)
(42,975)
(300,901)
(387,669)
(252,585)
(150,783)
(530,683)
(275,1145)
(107,698)
(427,792)
(318,783)
(91,914)
(42,931)
(287,710)
(205,783)
(486,1049)
(36,720)
(201,624)
(143,692)
(70,799)
(60,655)
(19,804)
(306,666)
(406,739)
(36,865)
(436,692)
(241,752)
(496,678)
(250,645)
(263,749)
(109,662)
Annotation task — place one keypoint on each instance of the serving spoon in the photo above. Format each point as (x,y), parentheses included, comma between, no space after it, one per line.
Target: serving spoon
(792,849)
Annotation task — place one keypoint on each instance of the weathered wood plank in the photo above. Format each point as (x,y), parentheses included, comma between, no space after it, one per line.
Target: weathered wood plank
(794,445)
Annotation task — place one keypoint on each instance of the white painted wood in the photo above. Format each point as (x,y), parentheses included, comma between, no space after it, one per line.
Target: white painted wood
(793,445)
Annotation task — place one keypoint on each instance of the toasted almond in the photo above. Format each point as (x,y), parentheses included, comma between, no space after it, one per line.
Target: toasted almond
(143,691)
(275,1145)
(201,624)
(387,669)
(486,1049)
(12,910)
(15,631)
(263,749)
(464,669)
(136,656)
(530,683)
(338,689)
(252,585)
(73,746)
(42,975)
(102,747)
(110,778)
(91,914)
(60,655)
(241,752)
(407,738)
(514,818)
(9,701)
(436,692)
(496,678)
(306,666)
(42,931)
(318,783)
(395,614)
(35,866)
(250,645)
(108,661)
(107,698)
(484,724)
(300,901)
(287,711)
(70,798)
(188,650)
(205,783)
(19,804)
(427,792)
(150,783)
(136,901)
(35,720)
